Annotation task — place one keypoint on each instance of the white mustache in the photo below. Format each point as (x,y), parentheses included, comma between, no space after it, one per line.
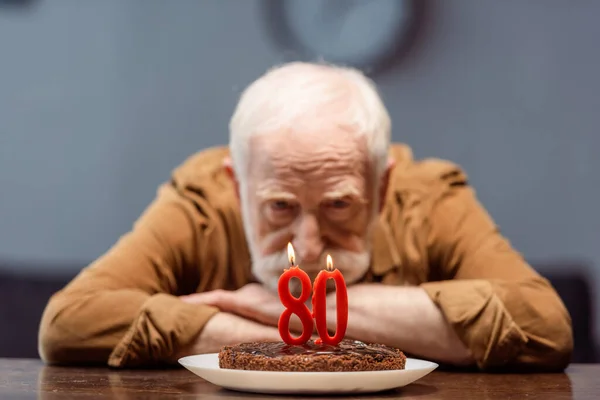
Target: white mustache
(341,260)
(352,266)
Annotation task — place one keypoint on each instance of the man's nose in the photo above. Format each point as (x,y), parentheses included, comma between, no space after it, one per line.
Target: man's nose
(309,242)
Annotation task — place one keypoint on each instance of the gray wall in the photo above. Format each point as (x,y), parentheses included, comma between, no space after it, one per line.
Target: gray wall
(99,100)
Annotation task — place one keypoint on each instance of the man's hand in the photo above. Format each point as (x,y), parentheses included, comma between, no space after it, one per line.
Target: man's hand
(252,301)
(228,329)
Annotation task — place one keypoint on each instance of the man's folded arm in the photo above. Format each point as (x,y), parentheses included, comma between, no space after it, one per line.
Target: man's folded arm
(123,309)
(503,310)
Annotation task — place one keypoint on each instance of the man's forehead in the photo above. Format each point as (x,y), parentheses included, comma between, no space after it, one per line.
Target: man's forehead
(275,172)
(308,152)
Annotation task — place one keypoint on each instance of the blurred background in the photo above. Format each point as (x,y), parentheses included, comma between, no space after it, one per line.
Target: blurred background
(100,100)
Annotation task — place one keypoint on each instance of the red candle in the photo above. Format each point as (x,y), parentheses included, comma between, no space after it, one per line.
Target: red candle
(294,305)
(319,304)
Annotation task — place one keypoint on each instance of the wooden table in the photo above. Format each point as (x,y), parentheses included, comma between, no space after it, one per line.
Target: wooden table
(30,379)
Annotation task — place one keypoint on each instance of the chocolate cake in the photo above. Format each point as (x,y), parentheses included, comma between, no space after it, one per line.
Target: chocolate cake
(347,356)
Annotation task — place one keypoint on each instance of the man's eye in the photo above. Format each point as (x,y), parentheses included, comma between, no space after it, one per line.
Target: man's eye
(281,205)
(339,204)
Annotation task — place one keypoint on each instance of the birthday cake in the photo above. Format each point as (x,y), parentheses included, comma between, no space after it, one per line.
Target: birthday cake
(347,356)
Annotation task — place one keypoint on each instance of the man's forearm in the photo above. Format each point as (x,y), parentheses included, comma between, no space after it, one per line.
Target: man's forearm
(404,317)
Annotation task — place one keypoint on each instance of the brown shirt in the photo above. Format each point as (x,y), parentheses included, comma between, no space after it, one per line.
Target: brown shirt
(123,309)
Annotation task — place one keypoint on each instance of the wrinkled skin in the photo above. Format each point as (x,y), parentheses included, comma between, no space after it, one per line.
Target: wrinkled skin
(313,189)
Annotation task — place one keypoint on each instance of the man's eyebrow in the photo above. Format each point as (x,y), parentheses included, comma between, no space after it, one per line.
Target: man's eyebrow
(268,194)
(344,191)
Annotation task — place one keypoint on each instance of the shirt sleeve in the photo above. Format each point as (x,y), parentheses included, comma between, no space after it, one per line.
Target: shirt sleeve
(123,309)
(501,308)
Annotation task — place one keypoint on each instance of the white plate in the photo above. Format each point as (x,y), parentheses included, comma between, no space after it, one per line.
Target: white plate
(206,366)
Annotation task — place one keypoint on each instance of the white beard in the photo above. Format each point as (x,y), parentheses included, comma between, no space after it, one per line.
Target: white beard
(268,269)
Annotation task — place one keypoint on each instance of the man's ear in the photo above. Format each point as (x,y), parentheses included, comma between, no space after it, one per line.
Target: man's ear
(385,181)
(228,165)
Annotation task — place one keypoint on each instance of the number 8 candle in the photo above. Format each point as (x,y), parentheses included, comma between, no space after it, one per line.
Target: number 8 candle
(294,305)
(319,304)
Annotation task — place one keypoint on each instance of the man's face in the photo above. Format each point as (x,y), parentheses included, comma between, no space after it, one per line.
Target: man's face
(314,190)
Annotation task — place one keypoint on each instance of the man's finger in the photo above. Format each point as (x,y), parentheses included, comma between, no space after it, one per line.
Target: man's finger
(217,298)
(228,301)
(239,304)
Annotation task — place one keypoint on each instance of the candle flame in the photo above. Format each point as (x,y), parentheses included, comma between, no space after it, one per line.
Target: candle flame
(329,263)
(291,254)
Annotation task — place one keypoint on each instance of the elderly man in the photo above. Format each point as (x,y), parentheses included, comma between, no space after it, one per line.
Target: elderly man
(309,162)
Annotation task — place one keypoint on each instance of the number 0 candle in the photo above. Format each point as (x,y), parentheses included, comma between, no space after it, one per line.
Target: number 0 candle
(320,306)
(294,305)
